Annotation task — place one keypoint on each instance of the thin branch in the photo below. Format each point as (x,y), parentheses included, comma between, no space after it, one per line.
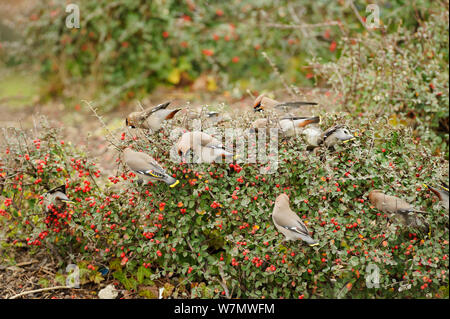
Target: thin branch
(103,124)
(301,26)
(275,69)
(39,290)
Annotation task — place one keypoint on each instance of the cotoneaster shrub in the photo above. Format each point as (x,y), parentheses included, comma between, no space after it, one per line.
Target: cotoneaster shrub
(212,235)
(403,74)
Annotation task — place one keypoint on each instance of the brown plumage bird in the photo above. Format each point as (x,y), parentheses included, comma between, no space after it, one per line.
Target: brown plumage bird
(147,167)
(57,198)
(289,125)
(288,223)
(151,118)
(398,209)
(262,102)
(207,148)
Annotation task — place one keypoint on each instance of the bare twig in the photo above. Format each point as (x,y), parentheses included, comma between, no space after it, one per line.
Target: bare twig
(301,26)
(103,124)
(25,263)
(39,290)
(355,10)
(277,72)
(223,283)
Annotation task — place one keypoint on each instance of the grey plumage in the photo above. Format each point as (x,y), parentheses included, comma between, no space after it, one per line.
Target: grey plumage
(290,126)
(56,197)
(337,134)
(205,147)
(313,136)
(398,209)
(147,167)
(289,223)
(262,102)
(151,118)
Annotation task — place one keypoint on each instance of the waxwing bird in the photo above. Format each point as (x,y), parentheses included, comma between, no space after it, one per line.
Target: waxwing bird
(441,192)
(288,223)
(259,124)
(186,142)
(56,197)
(207,148)
(211,153)
(151,118)
(147,167)
(262,102)
(397,209)
(313,136)
(292,125)
(335,135)
(215,118)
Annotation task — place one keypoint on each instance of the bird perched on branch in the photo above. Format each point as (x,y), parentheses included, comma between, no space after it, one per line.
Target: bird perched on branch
(207,148)
(288,223)
(262,102)
(147,167)
(56,197)
(289,125)
(55,203)
(151,118)
(336,134)
(313,136)
(441,192)
(398,209)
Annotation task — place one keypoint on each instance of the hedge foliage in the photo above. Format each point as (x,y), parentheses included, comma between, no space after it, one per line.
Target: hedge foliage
(212,235)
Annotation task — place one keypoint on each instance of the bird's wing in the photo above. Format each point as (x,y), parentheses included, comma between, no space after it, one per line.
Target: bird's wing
(290,220)
(212,114)
(330,131)
(145,114)
(146,165)
(160,106)
(444,187)
(294,104)
(61,188)
(294,118)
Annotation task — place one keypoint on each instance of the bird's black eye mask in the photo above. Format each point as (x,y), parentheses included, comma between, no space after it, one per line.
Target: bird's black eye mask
(128,124)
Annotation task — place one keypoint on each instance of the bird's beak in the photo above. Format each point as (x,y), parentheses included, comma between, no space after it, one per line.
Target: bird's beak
(67,201)
(349,139)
